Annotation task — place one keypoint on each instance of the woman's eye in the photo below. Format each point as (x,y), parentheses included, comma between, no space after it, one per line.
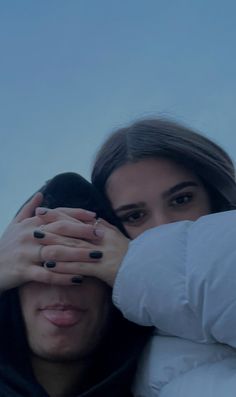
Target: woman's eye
(132,217)
(182,199)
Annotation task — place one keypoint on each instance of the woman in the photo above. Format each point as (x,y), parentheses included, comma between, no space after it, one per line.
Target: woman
(156,172)
(59,334)
(180,277)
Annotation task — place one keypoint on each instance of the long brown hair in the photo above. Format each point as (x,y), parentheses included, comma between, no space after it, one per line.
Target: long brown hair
(155,138)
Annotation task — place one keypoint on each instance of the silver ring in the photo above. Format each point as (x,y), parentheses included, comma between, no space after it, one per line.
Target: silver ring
(97,221)
(40,254)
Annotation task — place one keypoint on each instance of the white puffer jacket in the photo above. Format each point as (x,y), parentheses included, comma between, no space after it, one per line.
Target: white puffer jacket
(181,278)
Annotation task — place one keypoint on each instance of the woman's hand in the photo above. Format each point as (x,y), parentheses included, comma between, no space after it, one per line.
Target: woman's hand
(92,249)
(21,252)
(16,249)
(112,249)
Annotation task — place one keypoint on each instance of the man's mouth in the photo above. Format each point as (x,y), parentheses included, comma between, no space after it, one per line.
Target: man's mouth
(62,315)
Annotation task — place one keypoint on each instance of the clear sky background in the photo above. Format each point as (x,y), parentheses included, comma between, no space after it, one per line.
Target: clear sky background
(72,71)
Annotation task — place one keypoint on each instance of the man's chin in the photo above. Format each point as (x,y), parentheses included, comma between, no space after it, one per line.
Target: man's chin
(64,356)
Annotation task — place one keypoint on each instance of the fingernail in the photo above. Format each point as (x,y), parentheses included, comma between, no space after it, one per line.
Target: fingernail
(39,234)
(96,254)
(98,232)
(41,211)
(77,279)
(50,264)
(91,213)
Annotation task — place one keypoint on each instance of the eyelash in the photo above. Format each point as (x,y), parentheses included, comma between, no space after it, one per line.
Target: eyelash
(141,213)
(182,196)
(126,218)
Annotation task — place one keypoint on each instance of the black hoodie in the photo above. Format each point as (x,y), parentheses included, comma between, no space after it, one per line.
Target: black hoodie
(116,359)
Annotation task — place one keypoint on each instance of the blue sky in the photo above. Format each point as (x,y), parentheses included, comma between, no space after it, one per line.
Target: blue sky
(72,71)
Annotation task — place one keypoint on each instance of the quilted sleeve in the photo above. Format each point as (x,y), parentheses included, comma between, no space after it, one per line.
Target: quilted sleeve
(181,278)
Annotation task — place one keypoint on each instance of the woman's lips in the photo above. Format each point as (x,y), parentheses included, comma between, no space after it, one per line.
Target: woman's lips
(62,316)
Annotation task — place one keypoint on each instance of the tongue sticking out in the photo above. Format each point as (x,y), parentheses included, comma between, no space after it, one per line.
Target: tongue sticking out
(63,318)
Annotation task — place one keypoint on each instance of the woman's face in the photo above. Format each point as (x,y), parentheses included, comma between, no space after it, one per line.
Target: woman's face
(153,192)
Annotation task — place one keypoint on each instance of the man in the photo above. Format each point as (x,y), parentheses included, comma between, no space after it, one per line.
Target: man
(59,340)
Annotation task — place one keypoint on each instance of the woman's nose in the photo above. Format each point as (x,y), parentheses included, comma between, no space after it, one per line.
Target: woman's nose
(160,218)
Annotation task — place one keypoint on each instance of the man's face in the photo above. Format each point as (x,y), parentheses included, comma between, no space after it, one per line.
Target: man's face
(65,323)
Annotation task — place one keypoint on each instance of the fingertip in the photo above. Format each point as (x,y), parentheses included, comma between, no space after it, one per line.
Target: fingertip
(37,198)
(92,213)
(96,254)
(49,264)
(41,211)
(77,279)
(98,232)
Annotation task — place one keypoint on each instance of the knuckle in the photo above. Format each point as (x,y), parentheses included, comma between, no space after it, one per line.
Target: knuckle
(73,243)
(50,252)
(60,226)
(83,231)
(58,209)
(89,229)
(26,222)
(49,277)
(73,254)
(50,215)
(81,267)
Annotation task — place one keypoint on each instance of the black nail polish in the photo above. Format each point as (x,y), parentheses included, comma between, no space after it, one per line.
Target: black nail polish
(39,234)
(77,279)
(50,264)
(96,254)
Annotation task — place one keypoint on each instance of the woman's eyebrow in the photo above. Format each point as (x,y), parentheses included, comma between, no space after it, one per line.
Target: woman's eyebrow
(179,186)
(168,192)
(129,207)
